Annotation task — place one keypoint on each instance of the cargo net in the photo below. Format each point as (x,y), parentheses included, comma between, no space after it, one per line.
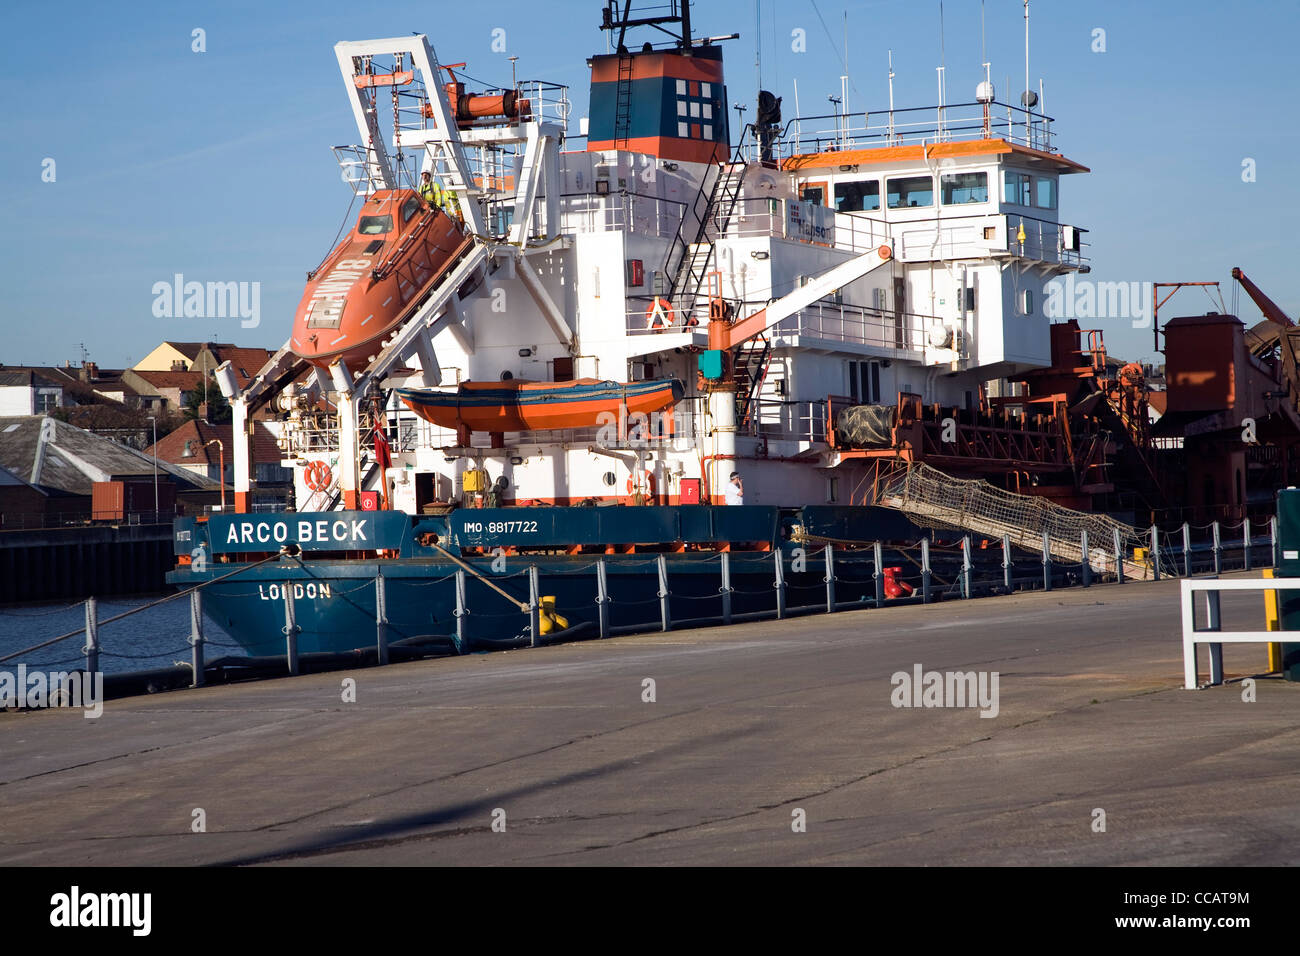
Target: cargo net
(936,500)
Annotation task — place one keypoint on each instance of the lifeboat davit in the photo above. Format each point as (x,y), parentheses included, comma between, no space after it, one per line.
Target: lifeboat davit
(517,406)
(375,278)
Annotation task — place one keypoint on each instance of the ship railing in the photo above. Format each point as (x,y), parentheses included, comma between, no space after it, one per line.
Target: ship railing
(666,430)
(622,211)
(915,126)
(995,235)
(354,166)
(896,335)
(776,219)
(775,419)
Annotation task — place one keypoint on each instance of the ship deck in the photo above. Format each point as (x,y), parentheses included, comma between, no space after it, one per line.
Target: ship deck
(750,722)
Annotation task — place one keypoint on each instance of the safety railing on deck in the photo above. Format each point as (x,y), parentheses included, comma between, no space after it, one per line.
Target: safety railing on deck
(622,211)
(914,126)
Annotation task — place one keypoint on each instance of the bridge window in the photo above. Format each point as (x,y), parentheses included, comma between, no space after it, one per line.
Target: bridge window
(857,197)
(1016,188)
(964,187)
(1045,193)
(911,191)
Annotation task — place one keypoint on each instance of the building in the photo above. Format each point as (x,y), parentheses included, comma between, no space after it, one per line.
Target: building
(194,448)
(27,391)
(163,391)
(166,375)
(73,469)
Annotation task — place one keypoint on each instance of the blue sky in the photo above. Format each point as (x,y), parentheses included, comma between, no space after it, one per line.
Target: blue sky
(216,165)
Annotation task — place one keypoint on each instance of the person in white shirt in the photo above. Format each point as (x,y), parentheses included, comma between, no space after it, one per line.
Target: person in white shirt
(735,490)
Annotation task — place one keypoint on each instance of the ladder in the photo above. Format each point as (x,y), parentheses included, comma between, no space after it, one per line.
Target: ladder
(710,213)
(752,360)
(623,102)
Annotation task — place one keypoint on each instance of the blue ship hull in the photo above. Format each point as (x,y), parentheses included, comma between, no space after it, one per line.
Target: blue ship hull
(331,582)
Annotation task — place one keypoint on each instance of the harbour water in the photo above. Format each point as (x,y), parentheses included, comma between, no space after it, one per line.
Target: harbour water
(153,638)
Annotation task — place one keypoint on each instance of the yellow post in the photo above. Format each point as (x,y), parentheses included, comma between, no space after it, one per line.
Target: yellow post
(1272,622)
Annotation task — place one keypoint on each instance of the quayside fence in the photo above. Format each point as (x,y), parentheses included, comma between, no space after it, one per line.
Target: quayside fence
(813,575)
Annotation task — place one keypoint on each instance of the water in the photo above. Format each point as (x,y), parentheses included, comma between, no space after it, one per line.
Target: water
(157,637)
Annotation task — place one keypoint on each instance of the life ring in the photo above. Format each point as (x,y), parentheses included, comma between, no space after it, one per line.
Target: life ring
(659,314)
(648,486)
(317,476)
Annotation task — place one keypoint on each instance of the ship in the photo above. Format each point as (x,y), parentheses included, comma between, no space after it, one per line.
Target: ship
(530,415)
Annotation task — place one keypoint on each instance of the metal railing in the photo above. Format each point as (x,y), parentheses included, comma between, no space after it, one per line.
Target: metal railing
(978,236)
(1212,633)
(621,211)
(914,126)
(81,519)
(859,325)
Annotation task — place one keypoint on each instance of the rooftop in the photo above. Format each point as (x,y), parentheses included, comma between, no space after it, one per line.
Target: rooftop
(51,454)
(171,447)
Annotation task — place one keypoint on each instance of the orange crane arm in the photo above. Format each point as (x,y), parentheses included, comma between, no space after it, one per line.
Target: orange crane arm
(1266,305)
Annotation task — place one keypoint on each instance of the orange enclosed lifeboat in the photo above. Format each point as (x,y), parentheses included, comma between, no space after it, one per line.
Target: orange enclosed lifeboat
(375,278)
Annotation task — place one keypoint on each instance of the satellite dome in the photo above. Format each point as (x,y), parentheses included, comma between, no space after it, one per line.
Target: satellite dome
(984,93)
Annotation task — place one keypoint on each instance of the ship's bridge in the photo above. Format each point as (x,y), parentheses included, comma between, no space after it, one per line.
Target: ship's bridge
(976,180)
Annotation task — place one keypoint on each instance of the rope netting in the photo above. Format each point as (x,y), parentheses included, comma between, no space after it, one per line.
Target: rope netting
(936,500)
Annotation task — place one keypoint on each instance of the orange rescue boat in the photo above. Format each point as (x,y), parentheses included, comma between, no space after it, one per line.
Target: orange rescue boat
(375,278)
(517,406)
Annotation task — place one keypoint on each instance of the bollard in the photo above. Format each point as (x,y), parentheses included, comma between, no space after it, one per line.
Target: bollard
(1155,553)
(726,587)
(966,570)
(665,622)
(1047,565)
(1119,557)
(196,638)
(381,619)
(1245,542)
(1187,550)
(1213,622)
(461,611)
(534,604)
(830,579)
(602,597)
(925,570)
(290,630)
(879,553)
(1218,557)
(1084,567)
(779,583)
(1272,537)
(92,637)
(1006,561)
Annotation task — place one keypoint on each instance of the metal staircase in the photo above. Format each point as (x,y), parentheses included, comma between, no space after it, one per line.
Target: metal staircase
(712,210)
(751,364)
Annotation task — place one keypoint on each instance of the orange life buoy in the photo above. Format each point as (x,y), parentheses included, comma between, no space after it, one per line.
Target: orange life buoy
(648,487)
(317,476)
(659,314)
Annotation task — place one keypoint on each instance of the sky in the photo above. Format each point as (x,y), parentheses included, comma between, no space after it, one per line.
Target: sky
(131,158)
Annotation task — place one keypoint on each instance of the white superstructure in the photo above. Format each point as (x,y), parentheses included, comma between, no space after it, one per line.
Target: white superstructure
(603,259)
